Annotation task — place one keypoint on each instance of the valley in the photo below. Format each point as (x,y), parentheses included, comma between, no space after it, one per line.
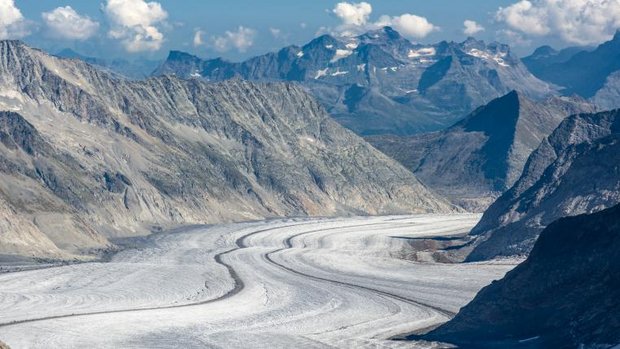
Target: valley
(216,177)
(340,282)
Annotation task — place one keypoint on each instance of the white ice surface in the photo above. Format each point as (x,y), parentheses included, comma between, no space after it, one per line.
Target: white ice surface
(290,283)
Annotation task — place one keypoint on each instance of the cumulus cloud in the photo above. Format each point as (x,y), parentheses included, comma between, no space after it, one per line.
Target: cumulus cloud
(12,22)
(409,25)
(65,23)
(241,40)
(134,22)
(355,14)
(355,18)
(472,27)
(580,22)
(198,41)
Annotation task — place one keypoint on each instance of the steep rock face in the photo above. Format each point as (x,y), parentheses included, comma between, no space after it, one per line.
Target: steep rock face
(572,172)
(480,157)
(379,82)
(608,97)
(565,295)
(86,155)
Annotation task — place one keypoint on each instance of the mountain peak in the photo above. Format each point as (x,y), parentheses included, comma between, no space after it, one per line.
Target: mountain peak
(545,50)
(470,41)
(500,113)
(386,33)
(175,55)
(324,40)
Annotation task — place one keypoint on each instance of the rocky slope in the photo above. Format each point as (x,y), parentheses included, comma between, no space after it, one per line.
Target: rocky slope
(379,82)
(574,171)
(565,295)
(85,156)
(480,157)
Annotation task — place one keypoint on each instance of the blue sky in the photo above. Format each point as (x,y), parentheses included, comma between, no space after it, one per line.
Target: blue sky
(236,29)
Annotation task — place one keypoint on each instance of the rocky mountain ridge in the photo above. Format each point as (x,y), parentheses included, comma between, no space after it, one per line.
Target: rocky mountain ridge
(86,156)
(380,82)
(481,156)
(590,73)
(573,171)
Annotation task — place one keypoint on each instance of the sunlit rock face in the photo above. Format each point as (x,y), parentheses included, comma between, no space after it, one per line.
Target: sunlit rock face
(86,155)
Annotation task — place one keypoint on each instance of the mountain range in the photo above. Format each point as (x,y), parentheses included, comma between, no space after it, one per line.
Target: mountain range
(575,170)
(480,157)
(591,73)
(565,295)
(380,82)
(86,156)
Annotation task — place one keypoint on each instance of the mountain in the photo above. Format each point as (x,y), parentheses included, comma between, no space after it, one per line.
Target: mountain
(584,73)
(480,157)
(565,295)
(575,170)
(86,155)
(380,82)
(546,56)
(136,69)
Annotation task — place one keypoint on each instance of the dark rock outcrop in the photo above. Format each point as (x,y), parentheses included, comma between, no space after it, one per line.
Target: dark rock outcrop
(565,295)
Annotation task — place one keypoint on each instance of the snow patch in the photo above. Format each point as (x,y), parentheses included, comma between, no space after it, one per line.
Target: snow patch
(321,73)
(340,54)
(338,72)
(300,54)
(497,58)
(361,67)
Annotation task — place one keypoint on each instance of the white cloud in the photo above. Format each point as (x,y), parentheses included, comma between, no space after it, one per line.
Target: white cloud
(12,22)
(241,40)
(472,27)
(198,41)
(410,25)
(134,22)
(355,14)
(355,18)
(275,32)
(65,23)
(575,21)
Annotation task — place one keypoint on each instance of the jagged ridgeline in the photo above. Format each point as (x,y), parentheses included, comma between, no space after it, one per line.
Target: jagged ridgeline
(575,170)
(380,82)
(85,156)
